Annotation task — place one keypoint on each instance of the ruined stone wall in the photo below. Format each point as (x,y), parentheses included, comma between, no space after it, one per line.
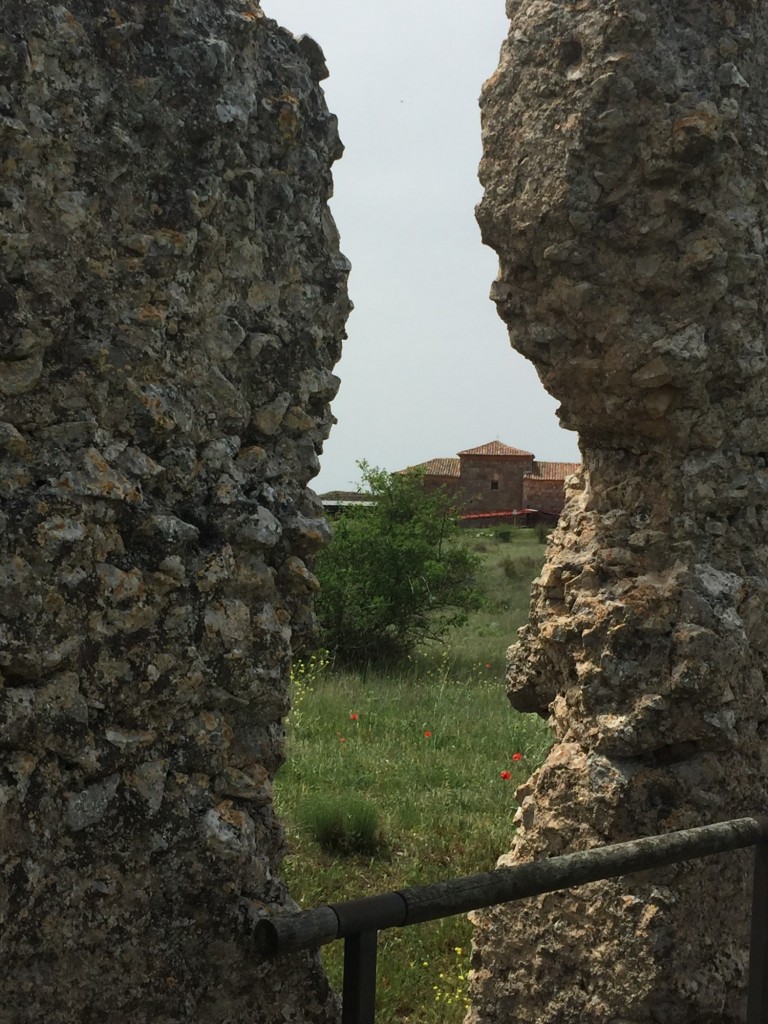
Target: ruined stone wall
(625,192)
(172,300)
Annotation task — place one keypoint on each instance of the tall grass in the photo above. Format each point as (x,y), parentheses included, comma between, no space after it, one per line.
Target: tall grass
(410,762)
(507,569)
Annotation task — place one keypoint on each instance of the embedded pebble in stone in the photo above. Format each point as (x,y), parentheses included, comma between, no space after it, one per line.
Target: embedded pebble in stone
(90,806)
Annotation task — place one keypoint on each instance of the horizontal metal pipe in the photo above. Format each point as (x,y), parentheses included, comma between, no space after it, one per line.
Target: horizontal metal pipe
(371,912)
(286,933)
(504,885)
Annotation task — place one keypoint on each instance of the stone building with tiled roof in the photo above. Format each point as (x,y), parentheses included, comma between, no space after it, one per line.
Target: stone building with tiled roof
(497,479)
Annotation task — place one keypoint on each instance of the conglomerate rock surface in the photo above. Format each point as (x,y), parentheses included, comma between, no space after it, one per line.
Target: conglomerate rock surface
(625,193)
(172,300)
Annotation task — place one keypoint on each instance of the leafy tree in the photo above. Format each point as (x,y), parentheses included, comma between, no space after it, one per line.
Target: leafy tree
(391,576)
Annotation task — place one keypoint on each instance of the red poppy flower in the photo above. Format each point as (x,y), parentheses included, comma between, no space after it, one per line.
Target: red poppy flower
(354,716)
(427,733)
(342,739)
(505,775)
(487,664)
(517,757)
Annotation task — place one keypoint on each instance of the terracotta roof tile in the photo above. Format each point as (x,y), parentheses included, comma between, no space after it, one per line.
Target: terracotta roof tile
(552,470)
(496,448)
(439,467)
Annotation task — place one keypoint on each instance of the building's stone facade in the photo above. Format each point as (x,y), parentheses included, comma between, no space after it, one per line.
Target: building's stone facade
(173,301)
(624,170)
(490,482)
(544,486)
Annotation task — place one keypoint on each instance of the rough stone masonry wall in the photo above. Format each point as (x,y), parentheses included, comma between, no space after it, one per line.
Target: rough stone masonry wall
(626,195)
(172,299)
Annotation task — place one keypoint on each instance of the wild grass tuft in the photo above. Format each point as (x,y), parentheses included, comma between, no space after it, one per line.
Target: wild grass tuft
(342,824)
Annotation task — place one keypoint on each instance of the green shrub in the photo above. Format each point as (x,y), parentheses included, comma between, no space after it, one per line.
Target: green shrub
(504,536)
(395,573)
(344,824)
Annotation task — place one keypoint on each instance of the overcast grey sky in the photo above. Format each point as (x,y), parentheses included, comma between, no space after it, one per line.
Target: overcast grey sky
(427,369)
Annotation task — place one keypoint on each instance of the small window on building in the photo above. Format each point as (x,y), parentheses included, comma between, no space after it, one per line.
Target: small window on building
(494,485)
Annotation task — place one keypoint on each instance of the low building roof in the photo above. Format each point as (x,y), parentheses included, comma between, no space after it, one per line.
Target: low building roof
(496,448)
(552,470)
(348,496)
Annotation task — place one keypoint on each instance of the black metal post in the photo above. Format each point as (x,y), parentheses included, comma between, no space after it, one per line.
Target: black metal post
(757,993)
(359,990)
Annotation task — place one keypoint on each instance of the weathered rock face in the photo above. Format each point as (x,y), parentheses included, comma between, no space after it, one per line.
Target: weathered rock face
(172,300)
(625,194)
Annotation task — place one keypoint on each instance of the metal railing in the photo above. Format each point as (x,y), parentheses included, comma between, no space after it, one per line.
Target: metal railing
(358,922)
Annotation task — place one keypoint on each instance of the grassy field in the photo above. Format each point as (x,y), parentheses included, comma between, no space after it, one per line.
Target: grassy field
(408,777)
